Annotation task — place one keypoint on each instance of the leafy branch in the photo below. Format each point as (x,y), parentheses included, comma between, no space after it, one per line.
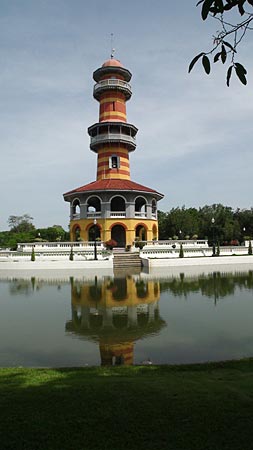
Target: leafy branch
(223,48)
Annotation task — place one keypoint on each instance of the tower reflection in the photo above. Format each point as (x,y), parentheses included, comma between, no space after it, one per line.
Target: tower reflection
(115,312)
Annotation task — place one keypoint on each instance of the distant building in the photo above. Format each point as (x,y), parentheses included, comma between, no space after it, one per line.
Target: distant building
(113,207)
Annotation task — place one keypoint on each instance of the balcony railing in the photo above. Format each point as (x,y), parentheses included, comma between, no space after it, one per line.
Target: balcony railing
(93,214)
(112,137)
(112,84)
(75,216)
(140,214)
(118,214)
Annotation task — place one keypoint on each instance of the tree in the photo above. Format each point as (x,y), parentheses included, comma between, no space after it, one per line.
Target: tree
(52,234)
(227,39)
(19,224)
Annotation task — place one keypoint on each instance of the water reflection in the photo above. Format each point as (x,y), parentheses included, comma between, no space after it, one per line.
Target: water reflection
(216,285)
(171,318)
(115,313)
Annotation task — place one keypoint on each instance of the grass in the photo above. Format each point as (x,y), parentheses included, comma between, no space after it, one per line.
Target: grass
(198,407)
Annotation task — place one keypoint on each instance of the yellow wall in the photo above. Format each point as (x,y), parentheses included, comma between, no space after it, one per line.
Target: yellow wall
(80,294)
(105,226)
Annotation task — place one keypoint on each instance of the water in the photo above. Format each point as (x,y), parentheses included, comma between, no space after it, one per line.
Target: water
(56,322)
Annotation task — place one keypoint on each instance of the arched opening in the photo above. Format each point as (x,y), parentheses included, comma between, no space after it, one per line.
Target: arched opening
(118,234)
(141,233)
(154,208)
(154,232)
(94,233)
(141,289)
(93,207)
(118,205)
(76,233)
(140,207)
(76,209)
(119,289)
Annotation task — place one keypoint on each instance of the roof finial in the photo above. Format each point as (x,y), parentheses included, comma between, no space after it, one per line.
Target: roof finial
(112,49)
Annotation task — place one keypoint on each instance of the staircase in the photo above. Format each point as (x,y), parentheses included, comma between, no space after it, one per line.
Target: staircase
(126,260)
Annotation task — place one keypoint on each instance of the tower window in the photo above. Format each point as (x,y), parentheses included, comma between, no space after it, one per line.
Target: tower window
(114,162)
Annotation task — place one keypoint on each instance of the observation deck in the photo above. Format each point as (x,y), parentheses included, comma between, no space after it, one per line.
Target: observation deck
(112,84)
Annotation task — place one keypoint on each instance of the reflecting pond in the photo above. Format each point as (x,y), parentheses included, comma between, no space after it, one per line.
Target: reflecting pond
(133,319)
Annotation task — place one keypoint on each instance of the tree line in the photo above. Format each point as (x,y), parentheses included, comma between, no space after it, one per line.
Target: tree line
(22,229)
(223,224)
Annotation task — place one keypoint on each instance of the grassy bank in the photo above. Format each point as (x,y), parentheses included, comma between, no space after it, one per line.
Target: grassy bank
(203,407)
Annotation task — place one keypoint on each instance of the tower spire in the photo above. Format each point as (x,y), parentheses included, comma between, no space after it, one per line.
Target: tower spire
(112,49)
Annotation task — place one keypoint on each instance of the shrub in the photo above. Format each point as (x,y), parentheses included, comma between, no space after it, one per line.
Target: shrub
(33,255)
(110,244)
(181,251)
(250,248)
(218,249)
(71,255)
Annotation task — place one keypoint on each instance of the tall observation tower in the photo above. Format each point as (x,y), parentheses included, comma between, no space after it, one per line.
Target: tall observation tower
(118,207)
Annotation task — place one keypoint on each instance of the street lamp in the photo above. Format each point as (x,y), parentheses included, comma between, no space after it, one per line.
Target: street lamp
(213,222)
(180,234)
(95,240)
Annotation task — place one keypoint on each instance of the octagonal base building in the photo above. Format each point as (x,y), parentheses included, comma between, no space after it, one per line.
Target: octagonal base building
(113,207)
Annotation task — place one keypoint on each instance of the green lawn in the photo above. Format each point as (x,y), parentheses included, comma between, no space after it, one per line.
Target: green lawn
(159,407)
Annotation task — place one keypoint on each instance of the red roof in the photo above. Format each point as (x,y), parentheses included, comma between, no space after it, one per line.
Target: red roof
(112,62)
(113,185)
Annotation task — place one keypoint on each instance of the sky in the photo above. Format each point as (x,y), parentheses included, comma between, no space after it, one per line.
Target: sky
(195,134)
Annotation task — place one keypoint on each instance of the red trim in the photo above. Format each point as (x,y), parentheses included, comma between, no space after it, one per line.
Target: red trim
(118,223)
(90,225)
(105,163)
(113,171)
(141,224)
(115,151)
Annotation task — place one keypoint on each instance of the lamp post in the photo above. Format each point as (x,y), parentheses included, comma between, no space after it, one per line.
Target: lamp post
(213,222)
(180,235)
(244,229)
(95,239)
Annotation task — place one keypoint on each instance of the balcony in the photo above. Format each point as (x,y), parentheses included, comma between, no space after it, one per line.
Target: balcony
(112,84)
(93,215)
(113,137)
(118,214)
(143,215)
(75,216)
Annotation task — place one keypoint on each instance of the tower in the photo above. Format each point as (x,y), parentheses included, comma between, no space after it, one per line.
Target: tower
(113,206)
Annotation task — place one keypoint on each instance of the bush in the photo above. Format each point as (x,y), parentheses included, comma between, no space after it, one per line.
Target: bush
(71,255)
(250,248)
(33,255)
(110,244)
(181,251)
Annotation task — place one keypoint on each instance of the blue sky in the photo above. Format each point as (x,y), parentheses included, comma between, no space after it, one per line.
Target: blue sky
(194,139)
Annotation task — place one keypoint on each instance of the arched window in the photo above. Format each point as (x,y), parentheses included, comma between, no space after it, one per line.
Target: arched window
(76,209)
(94,233)
(141,233)
(140,207)
(93,207)
(77,233)
(114,162)
(118,204)
(154,208)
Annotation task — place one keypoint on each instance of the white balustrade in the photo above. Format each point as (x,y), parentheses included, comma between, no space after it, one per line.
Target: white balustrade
(112,137)
(140,214)
(93,214)
(112,83)
(118,214)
